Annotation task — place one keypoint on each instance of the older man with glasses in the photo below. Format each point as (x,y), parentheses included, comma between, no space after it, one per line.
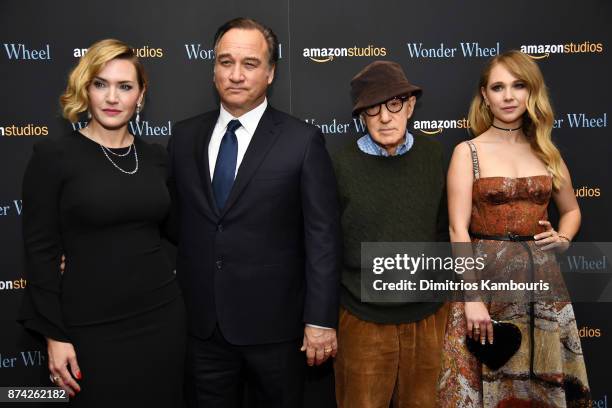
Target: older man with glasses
(392,189)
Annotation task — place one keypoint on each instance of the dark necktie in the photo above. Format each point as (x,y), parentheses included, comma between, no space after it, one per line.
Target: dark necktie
(225,168)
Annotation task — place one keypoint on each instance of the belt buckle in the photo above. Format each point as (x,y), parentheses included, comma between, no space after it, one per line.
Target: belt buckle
(513,237)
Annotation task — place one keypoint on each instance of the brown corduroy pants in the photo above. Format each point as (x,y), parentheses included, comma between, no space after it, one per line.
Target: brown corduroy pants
(378,364)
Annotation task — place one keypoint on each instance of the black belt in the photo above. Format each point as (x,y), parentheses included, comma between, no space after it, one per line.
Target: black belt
(521,240)
(509,237)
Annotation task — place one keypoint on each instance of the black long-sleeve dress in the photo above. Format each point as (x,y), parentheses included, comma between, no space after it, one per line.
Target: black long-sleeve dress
(117,302)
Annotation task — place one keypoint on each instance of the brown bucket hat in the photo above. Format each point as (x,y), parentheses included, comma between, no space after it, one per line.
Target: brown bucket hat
(378,82)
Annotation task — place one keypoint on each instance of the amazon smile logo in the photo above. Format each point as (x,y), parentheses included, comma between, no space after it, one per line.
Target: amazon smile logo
(329,54)
(541,51)
(434,127)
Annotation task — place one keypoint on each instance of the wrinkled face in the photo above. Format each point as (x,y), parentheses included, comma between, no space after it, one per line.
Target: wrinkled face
(242,72)
(506,96)
(388,129)
(114,93)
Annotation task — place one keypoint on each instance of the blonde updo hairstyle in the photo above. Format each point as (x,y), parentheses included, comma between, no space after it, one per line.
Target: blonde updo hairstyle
(538,118)
(75,98)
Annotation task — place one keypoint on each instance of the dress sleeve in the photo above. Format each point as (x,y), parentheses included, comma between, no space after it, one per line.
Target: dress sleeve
(42,183)
(170,229)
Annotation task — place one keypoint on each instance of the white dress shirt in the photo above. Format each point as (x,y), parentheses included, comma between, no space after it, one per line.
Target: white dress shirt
(244,134)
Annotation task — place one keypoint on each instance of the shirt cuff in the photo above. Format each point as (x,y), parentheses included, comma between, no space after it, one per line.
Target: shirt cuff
(318,327)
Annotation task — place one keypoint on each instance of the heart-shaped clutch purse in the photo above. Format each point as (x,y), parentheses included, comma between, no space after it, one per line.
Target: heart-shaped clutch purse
(506,342)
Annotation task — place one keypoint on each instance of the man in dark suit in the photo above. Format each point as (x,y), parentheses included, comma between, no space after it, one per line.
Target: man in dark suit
(258,233)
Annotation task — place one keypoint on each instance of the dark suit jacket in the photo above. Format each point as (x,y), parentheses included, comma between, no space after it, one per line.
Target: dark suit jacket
(268,262)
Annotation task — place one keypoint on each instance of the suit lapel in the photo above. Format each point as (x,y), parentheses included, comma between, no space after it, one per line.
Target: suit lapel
(265,135)
(204,134)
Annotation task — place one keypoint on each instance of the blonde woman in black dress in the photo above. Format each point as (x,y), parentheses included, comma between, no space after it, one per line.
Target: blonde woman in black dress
(114,320)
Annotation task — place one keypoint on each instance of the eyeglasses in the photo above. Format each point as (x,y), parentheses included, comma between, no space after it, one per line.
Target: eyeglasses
(393,105)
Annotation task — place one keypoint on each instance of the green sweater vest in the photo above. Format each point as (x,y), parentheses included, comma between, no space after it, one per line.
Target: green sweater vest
(389,199)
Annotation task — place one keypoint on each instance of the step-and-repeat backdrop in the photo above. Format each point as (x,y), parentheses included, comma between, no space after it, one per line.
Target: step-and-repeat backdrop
(442,46)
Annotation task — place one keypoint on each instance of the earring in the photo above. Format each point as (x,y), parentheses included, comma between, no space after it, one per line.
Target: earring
(88,114)
(138,107)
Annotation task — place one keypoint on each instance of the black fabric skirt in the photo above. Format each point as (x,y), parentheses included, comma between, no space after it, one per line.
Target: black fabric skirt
(133,362)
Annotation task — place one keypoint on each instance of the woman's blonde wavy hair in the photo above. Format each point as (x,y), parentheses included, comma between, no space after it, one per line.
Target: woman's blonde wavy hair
(75,98)
(538,118)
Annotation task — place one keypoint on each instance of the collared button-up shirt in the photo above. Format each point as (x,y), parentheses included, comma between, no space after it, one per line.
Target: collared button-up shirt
(367,145)
(244,134)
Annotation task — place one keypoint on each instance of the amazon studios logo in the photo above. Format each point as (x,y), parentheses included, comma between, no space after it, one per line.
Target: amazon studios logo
(539,51)
(432,127)
(146,51)
(13,284)
(24,130)
(331,53)
(587,192)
